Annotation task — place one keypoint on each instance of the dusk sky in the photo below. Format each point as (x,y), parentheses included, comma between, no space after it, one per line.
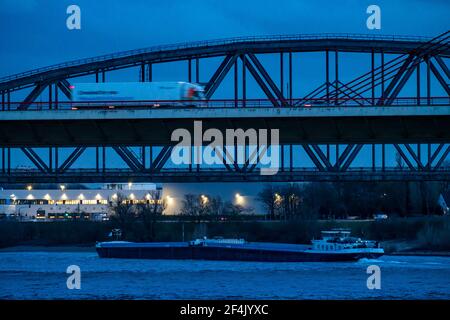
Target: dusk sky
(34,33)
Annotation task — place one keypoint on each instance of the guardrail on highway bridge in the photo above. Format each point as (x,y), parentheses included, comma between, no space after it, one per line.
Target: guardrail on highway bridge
(224,103)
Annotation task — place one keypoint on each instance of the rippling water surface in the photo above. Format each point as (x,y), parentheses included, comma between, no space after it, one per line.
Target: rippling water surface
(42,275)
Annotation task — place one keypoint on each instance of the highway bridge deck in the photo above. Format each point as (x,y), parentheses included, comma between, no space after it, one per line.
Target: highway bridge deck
(377,124)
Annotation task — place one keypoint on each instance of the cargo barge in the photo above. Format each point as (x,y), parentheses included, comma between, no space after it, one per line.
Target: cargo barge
(336,245)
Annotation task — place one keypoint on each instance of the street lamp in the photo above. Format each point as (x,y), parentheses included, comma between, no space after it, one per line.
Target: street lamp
(62,187)
(278,198)
(239,199)
(204,199)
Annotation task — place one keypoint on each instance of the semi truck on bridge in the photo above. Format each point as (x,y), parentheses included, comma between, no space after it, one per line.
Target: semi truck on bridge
(152,94)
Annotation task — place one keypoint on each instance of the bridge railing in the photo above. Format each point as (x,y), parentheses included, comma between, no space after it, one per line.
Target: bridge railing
(215,42)
(120,171)
(222,103)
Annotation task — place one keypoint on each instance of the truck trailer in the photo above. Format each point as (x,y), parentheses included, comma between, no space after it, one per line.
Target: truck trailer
(151,94)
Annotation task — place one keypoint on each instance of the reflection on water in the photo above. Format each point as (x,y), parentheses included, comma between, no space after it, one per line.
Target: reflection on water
(41,275)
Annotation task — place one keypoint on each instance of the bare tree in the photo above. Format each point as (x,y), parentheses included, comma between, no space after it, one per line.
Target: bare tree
(149,212)
(123,213)
(190,205)
(271,200)
(212,206)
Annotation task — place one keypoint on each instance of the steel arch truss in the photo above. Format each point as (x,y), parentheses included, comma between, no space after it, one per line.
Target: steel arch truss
(391,76)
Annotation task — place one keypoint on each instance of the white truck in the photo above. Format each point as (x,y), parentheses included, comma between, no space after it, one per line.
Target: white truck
(152,94)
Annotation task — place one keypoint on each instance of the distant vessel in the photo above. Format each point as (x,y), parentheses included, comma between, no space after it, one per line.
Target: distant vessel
(335,245)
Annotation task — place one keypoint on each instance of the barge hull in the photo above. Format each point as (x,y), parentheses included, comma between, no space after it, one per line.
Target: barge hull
(227,253)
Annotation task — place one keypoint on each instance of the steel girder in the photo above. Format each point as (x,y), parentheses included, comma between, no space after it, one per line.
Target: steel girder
(398,69)
(247,51)
(221,48)
(321,161)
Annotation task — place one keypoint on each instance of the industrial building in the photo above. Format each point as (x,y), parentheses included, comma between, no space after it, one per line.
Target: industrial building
(62,204)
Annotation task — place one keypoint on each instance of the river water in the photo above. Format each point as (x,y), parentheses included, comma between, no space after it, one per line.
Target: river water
(42,275)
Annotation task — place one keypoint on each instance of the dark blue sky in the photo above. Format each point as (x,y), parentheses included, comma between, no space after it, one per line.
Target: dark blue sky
(34,34)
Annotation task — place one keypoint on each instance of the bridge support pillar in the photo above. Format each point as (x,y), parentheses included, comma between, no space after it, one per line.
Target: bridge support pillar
(56,95)
(142,72)
(189,70)
(427,60)
(3,161)
(373,156)
(327,75)
(50,97)
(382,71)
(290,78)
(418,83)
(337,157)
(104,159)
(8,151)
(150,72)
(244,82)
(236,88)
(97,159)
(151,156)
(197,70)
(336,75)
(282,73)
(372,75)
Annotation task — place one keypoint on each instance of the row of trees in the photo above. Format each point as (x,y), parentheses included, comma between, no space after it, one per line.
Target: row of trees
(340,200)
(200,205)
(125,214)
(297,200)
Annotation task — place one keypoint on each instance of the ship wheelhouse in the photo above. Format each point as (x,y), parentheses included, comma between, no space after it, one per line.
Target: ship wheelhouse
(340,239)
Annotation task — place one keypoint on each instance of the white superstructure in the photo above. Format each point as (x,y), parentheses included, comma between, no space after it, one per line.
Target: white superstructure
(340,241)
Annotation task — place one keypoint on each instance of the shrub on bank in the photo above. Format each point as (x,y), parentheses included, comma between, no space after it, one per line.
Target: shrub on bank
(52,233)
(433,233)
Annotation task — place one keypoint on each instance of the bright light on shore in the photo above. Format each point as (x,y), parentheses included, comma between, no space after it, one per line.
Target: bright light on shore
(240,200)
(278,198)
(169,200)
(204,199)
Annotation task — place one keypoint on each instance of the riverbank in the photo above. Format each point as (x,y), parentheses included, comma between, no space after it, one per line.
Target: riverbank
(402,235)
